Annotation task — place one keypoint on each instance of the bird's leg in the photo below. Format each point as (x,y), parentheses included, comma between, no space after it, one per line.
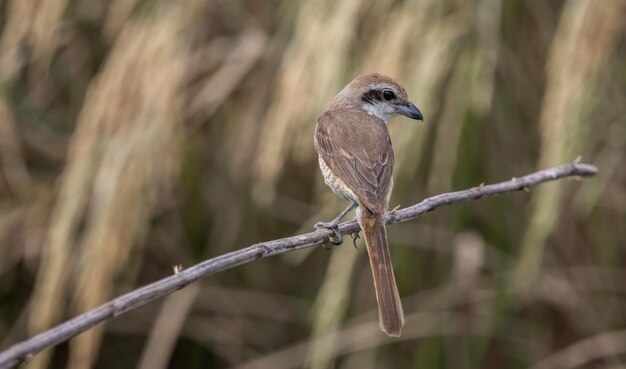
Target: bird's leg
(333,223)
(337,239)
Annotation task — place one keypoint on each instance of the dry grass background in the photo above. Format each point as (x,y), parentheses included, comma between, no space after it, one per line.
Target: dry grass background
(140,134)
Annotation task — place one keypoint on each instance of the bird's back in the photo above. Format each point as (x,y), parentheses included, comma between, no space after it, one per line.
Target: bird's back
(355,148)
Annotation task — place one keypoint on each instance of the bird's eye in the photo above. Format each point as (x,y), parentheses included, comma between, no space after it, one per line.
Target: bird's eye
(388,95)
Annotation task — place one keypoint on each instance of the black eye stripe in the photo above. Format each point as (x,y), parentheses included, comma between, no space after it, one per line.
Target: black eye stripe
(378,95)
(372,95)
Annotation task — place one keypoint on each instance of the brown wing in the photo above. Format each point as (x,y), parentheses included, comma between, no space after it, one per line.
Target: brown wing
(357,149)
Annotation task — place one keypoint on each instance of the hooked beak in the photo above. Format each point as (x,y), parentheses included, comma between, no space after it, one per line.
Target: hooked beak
(411,111)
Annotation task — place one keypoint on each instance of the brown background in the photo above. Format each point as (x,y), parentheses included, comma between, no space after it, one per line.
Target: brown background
(139,135)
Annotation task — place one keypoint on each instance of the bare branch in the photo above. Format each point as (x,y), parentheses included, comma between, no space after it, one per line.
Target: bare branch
(141,296)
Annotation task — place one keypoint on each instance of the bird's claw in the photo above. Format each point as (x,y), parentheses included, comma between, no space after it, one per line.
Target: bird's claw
(355,236)
(336,239)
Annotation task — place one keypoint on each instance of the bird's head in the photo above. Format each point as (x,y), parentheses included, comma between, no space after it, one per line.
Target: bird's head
(379,96)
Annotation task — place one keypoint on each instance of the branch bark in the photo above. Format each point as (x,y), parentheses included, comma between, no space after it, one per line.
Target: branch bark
(26,349)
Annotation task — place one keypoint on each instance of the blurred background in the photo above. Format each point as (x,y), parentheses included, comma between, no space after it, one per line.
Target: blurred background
(136,135)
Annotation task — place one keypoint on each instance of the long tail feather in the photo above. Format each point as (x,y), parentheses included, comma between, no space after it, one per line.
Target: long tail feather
(391,316)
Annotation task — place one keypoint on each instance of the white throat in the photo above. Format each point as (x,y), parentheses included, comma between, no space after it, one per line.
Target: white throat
(377,112)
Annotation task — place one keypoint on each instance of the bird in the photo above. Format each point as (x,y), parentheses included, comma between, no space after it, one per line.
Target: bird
(356,160)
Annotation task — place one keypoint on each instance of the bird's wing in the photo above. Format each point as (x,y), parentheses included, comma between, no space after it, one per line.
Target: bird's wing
(357,149)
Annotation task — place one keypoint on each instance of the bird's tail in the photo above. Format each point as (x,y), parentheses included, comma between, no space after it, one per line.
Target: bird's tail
(390,314)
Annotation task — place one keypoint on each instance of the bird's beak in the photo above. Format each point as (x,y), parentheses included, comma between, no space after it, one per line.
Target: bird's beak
(411,111)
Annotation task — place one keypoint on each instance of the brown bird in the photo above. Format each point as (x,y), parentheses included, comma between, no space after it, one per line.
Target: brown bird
(356,159)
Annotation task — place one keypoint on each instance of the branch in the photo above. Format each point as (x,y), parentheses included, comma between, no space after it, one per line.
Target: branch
(26,349)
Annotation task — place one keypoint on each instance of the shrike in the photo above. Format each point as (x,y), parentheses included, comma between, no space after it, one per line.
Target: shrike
(356,159)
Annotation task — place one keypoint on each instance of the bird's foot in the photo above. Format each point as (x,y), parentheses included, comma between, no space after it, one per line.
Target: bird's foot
(336,238)
(355,236)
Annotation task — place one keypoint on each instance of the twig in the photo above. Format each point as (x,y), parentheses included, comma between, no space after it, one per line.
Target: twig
(141,296)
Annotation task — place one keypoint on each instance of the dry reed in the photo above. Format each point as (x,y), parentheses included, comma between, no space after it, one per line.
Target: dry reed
(104,103)
(582,45)
(126,144)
